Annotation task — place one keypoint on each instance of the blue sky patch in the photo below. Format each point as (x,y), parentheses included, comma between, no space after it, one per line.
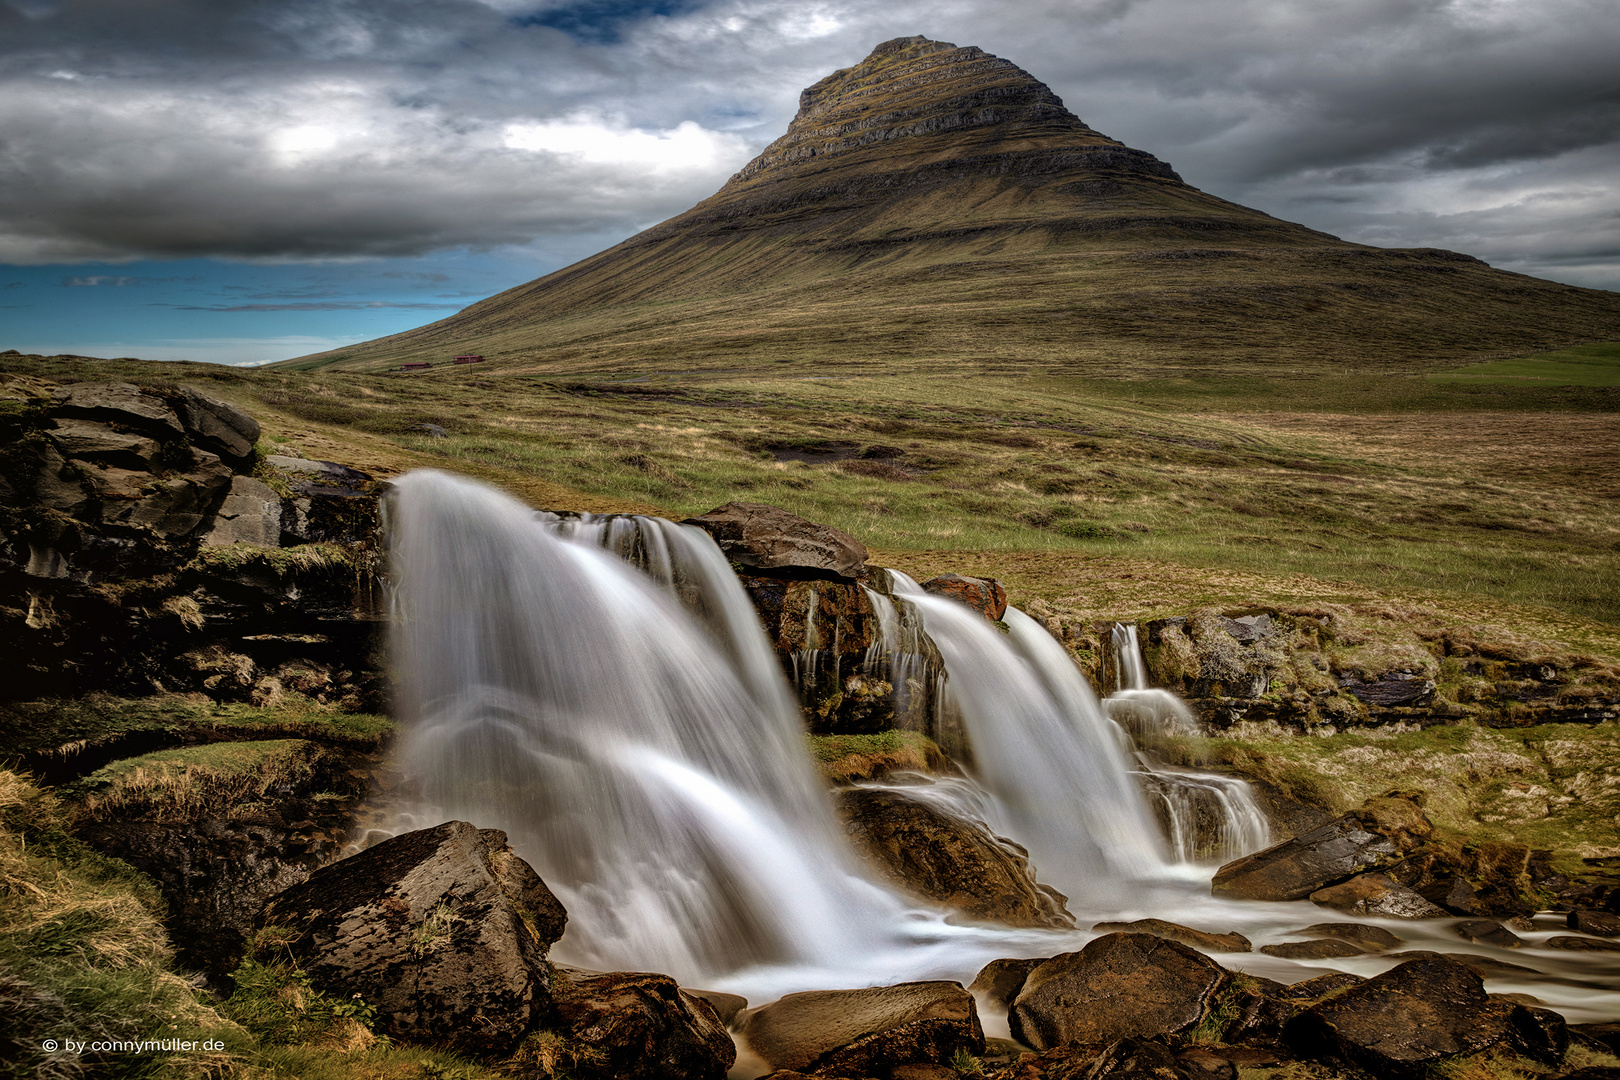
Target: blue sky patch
(602,22)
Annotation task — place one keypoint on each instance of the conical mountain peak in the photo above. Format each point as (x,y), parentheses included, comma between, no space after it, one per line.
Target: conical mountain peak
(938,205)
(911,88)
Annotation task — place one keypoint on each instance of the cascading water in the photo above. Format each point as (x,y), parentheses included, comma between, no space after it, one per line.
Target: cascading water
(1147,712)
(1058,780)
(644,754)
(1206,817)
(549,689)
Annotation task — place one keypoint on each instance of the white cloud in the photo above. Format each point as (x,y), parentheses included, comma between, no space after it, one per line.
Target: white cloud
(688,145)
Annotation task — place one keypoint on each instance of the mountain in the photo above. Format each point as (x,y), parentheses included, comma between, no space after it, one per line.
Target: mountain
(935,207)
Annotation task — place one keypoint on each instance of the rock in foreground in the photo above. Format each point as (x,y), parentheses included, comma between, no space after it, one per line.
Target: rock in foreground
(444,930)
(857,1033)
(1117,987)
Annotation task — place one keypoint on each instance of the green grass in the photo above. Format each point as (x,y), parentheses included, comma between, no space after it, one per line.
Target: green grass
(1317,482)
(1581,365)
(34,727)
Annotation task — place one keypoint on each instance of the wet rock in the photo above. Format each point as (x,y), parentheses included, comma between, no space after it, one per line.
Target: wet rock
(725,1006)
(1118,986)
(1597,923)
(1582,944)
(1370,938)
(1539,1033)
(984,595)
(858,1033)
(1486,879)
(1487,932)
(1000,980)
(1604,1037)
(1316,949)
(770,539)
(949,860)
(250,514)
(444,930)
(216,876)
(1202,940)
(1376,894)
(639,1026)
(1315,989)
(1375,836)
(1405,1020)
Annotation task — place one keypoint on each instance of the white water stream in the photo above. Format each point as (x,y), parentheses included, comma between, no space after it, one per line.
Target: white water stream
(632,732)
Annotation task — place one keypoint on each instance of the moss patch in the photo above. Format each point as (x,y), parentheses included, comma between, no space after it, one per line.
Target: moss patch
(844,759)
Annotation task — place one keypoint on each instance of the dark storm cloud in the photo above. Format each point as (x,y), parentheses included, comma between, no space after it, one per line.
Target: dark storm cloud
(353,128)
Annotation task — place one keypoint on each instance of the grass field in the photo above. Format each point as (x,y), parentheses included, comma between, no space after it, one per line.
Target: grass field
(1152,492)
(1582,365)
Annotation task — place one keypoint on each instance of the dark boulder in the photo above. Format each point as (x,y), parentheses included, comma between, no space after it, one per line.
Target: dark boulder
(1376,894)
(984,595)
(1377,835)
(1315,949)
(1370,938)
(629,1025)
(860,1033)
(1487,932)
(1202,940)
(949,860)
(999,981)
(1581,944)
(1119,986)
(768,538)
(444,930)
(1404,1021)
(1596,923)
(218,426)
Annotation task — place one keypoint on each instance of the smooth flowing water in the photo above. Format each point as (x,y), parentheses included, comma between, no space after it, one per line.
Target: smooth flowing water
(600,688)
(1206,817)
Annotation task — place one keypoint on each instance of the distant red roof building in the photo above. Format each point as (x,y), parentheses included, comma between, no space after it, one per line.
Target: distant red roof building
(415,367)
(469,359)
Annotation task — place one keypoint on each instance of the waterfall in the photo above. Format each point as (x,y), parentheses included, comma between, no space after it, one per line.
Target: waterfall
(645,762)
(1057,777)
(1206,817)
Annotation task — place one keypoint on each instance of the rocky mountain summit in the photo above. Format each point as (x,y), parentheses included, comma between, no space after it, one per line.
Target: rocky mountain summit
(936,203)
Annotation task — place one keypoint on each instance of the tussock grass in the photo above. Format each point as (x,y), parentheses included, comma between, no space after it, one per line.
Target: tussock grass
(83,954)
(64,728)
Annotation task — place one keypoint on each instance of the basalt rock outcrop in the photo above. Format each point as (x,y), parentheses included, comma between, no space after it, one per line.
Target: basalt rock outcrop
(138,554)
(1422,1012)
(1378,835)
(636,1025)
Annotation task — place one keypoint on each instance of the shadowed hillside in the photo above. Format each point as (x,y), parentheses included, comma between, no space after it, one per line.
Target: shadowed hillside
(939,205)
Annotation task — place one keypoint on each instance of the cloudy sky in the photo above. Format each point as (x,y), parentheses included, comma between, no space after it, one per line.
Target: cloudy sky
(247,180)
